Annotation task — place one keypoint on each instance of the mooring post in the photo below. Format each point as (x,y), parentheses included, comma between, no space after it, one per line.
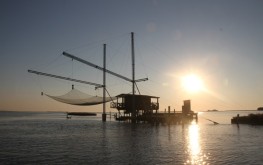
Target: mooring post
(169,109)
(237,119)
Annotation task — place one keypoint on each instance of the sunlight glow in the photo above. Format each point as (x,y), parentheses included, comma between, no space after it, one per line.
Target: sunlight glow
(194,139)
(192,83)
(194,149)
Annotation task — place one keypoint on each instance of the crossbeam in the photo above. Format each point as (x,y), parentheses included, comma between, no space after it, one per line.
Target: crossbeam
(64,78)
(100,68)
(95,66)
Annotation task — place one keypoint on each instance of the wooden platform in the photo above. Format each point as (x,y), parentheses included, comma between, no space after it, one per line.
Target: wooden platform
(163,118)
(253,119)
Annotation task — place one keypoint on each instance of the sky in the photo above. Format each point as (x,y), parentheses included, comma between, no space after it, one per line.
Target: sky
(219,41)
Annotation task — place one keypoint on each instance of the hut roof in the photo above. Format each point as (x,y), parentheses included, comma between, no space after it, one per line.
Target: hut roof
(123,95)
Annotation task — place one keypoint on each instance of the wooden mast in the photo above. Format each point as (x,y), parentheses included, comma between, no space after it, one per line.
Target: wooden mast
(104,83)
(133,79)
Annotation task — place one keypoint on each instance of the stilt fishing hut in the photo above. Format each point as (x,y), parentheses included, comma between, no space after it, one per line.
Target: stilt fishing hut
(144,106)
(147,108)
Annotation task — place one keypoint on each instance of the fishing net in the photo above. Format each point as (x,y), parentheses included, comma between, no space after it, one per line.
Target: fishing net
(76,97)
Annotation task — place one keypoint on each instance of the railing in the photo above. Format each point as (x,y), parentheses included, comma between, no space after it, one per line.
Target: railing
(154,106)
(113,105)
(117,105)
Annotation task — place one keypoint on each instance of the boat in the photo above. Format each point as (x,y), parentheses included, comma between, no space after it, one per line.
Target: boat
(81,114)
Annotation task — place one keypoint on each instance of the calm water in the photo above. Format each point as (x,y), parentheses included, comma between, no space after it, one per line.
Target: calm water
(49,138)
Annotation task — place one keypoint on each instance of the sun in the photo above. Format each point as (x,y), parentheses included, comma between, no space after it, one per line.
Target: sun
(192,83)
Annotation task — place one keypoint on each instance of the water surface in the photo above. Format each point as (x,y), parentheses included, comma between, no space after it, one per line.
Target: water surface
(49,138)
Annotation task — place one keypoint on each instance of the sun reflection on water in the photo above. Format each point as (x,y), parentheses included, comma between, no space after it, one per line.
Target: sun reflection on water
(195,155)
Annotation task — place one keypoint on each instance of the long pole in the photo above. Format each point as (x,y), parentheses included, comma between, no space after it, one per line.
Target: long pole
(104,83)
(133,79)
(64,78)
(94,66)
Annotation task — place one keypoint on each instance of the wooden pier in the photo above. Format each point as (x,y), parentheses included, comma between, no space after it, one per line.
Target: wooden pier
(162,118)
(147,111)
(252,119)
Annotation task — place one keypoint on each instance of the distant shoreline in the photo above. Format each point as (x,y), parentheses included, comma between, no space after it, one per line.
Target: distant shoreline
(226,110)
(17,111)
(97,111)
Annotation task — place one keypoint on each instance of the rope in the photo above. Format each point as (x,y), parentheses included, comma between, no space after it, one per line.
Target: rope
(137,88)
(211,121)
(72,71)
(109,95)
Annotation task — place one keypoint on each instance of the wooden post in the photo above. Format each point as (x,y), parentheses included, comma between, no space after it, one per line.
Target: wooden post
(133,79)
(104,84)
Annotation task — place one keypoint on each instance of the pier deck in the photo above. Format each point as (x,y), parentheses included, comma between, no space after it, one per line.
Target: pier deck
(164,118)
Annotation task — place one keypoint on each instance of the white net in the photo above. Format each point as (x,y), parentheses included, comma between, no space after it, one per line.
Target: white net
(76,97)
